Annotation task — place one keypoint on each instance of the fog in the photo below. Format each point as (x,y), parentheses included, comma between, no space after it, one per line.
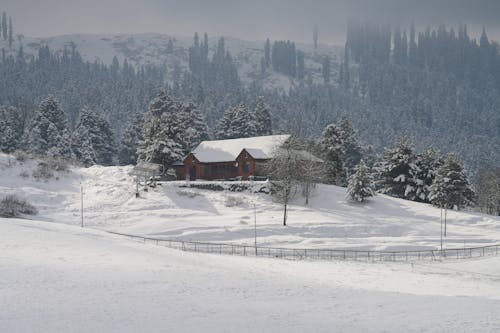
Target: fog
(249,19)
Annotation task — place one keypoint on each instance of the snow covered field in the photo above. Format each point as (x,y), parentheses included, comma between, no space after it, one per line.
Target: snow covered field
(59,277)
(173,212)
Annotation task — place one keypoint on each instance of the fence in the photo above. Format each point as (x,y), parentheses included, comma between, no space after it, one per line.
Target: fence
(318,254)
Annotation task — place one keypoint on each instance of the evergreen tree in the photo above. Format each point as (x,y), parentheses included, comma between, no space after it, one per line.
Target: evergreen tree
(4,25)
(262,118)
(267,53)
(396,172)
(350,145)
(300,65)
(315,37)
(360,184)
(326,69)
(92,140)
(451,188)
(161,143)
(130,141)
(11,32)
(48,132)
(192,126)
(427,164)
(334,155)
(237,122)
(11,129)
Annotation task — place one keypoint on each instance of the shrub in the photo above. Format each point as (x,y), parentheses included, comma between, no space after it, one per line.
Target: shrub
(12,206)
(233,201)
(24,174)
(188,194)
(21,156)
(42,172)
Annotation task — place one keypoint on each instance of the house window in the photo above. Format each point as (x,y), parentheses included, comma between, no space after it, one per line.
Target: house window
(245,167)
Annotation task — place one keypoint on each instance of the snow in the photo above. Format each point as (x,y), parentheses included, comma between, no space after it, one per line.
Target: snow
(59,277)
(228,150)
(151,48)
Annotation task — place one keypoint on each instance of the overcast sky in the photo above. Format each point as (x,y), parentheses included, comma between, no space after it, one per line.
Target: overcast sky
(247,19)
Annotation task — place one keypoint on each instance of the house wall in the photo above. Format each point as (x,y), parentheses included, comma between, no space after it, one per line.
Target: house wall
(244,166)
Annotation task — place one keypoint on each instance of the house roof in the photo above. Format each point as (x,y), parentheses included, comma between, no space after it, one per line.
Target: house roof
(228,150)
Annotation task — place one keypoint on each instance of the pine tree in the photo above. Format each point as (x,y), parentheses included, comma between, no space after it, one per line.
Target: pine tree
(326,69)
(427,164)
(92,140)
(396,171)
(350,143)
(451,188)
(334,155)
(11,32)
(4,25)
(192,126)
(162,135)
(237,122)
(48,132)
(267,53)
(300,65)
(262,118)
(11,129)
(360,184)
(130,141)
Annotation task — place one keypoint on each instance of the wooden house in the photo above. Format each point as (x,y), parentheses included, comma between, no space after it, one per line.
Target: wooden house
(224,159)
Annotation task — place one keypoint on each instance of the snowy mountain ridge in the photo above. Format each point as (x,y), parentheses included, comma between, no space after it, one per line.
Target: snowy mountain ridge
(153,48)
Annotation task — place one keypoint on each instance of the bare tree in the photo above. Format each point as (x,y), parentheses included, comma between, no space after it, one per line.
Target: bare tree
(293,167)
(282,170)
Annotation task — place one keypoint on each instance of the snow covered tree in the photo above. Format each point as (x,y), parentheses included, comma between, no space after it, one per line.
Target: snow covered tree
(48,132)
(283,169)
(11,128)
(451,188)
(334,155)
(4,25)
(396,171)
(488,190)
(172,130)
(237,122)
(262,118)
(351,147)
(92,140)
(11,32)
(130,141)
(360,184)
(193,128)
(427,164)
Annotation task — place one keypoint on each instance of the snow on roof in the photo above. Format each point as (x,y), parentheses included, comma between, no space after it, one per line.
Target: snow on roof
(228,150)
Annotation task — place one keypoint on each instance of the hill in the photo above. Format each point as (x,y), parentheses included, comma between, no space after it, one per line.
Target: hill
(59,277)
(174,211)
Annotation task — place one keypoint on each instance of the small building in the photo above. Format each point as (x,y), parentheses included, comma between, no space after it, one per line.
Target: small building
(224,159)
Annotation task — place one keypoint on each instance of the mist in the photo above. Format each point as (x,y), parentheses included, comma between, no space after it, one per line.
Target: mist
(251,20)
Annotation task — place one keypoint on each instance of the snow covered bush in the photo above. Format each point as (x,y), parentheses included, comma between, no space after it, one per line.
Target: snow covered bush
(42,172)
(13,206)
(189,194)
(360,184)
(233,201)
(21,156)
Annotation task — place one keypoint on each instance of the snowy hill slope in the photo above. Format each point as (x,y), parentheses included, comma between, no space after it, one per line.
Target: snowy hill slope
(175,212)
(152,48)
(60,278)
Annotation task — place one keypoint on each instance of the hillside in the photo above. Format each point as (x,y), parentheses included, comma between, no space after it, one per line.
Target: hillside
(49,259)
(152,48)
(175,211)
